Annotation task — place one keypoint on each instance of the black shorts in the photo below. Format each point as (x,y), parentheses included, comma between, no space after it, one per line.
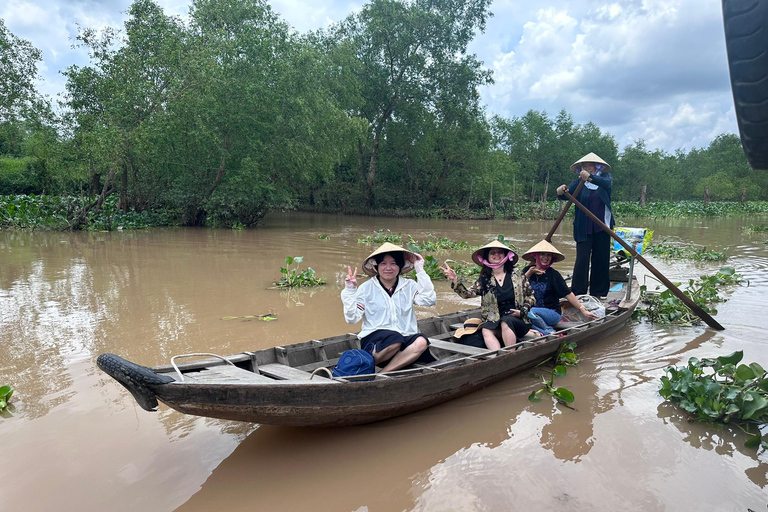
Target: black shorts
(518,326)
(381,339)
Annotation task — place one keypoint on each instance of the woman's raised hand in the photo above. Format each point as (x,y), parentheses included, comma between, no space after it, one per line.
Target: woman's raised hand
(351,276)
(418,265)
(448,271)
(584,175)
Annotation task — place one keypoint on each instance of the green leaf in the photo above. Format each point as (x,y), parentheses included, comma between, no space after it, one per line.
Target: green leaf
(754,441)
(564,395)
(298,259)
(288,261)
(534,397)
(559,371)
(754,405)
(744,372)
(734,358)
(5,391)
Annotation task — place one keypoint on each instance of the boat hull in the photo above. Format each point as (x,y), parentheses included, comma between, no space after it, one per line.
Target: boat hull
(321,405)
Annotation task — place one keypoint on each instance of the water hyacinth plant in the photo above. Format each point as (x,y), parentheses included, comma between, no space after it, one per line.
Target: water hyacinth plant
(379,237)
(666,308)
(6,392)
(721,390)
(687,253)
(754,228)
(293,278)
(565,357)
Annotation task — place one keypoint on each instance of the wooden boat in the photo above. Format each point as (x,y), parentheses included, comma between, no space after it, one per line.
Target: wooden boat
(287,386)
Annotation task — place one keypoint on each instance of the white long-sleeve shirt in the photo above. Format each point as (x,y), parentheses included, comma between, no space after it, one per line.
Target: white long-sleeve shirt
(371,303)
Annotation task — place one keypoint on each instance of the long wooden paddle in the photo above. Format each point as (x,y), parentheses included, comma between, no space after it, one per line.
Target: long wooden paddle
(674,289)
(560,217)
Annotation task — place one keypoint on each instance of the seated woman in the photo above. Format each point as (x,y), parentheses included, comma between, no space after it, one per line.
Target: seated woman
(505,295)
(548,287)
(385,304)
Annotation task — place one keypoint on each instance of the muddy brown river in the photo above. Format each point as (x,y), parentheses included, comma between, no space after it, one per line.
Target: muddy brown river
(75,440)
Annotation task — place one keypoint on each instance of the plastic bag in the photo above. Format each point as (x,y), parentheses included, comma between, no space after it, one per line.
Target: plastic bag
(592,304)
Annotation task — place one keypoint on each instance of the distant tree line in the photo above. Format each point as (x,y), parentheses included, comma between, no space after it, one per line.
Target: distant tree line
(220,118)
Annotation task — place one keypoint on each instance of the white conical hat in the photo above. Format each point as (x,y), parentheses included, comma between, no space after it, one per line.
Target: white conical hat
(576,166)
(369,265)
(543,246)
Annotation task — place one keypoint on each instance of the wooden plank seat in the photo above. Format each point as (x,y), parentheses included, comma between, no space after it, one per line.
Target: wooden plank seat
(224,374)
(283,372)
(457,347)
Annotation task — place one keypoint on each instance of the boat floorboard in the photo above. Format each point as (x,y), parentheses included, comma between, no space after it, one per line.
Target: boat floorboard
(283,372)
(224,374)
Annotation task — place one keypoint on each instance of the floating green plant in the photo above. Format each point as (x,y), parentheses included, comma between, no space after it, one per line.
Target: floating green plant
(666,308)
(754,228)
(323,237)
(565,357)
(6,392)
(293,277)
(379,237)
(721,390)
(688,253)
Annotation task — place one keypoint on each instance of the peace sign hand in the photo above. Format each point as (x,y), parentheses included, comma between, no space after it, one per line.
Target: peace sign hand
(449,272)
(351,277)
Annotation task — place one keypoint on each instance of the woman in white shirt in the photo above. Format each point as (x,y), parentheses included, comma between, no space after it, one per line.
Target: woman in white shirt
(385,305)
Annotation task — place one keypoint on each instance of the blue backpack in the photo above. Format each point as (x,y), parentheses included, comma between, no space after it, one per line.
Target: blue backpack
(354,362)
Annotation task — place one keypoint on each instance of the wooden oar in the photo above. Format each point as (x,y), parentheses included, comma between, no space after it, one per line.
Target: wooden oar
(674,289)
(560,217)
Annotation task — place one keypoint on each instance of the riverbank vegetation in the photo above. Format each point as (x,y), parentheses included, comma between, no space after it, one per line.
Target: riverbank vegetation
(219,118)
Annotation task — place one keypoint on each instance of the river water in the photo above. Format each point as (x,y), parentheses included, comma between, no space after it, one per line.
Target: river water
(76,440)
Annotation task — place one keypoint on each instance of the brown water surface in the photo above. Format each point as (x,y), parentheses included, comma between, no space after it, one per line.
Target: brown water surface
(74,439)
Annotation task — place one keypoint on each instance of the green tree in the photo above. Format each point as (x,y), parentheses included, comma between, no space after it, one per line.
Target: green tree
(411,55)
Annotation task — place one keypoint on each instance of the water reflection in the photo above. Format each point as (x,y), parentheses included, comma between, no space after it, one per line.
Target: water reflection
(724,440)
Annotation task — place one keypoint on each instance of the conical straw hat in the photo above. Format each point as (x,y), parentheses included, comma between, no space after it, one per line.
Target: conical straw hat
(576,166)
(470,325)
(543,246)
(369,265)
(476,255)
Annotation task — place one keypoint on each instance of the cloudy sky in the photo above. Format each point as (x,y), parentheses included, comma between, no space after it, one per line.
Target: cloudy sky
(640,69)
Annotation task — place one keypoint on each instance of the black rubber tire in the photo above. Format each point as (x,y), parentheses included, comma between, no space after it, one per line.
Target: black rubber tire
(746,39)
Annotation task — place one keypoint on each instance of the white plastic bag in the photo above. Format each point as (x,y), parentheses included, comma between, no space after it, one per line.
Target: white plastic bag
(592,304)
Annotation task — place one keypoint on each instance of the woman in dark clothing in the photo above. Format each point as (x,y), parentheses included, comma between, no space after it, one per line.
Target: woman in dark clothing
(548,287)
(506,296)
(591,241)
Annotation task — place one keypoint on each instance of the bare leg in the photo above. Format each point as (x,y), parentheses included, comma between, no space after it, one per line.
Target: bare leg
(386,354)
(508,335)
(491,339)
(407,356)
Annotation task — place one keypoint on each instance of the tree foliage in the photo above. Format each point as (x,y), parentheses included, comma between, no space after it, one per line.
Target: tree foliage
(218,118)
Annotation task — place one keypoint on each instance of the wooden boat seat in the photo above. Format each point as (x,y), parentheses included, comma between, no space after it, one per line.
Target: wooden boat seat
(283,372)
(457,347)
(224,374)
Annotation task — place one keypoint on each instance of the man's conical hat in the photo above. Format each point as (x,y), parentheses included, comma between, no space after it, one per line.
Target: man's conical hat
(543,246)
(369,265)
(576,166)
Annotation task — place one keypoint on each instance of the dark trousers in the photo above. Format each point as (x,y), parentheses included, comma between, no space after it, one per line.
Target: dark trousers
(597,248)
